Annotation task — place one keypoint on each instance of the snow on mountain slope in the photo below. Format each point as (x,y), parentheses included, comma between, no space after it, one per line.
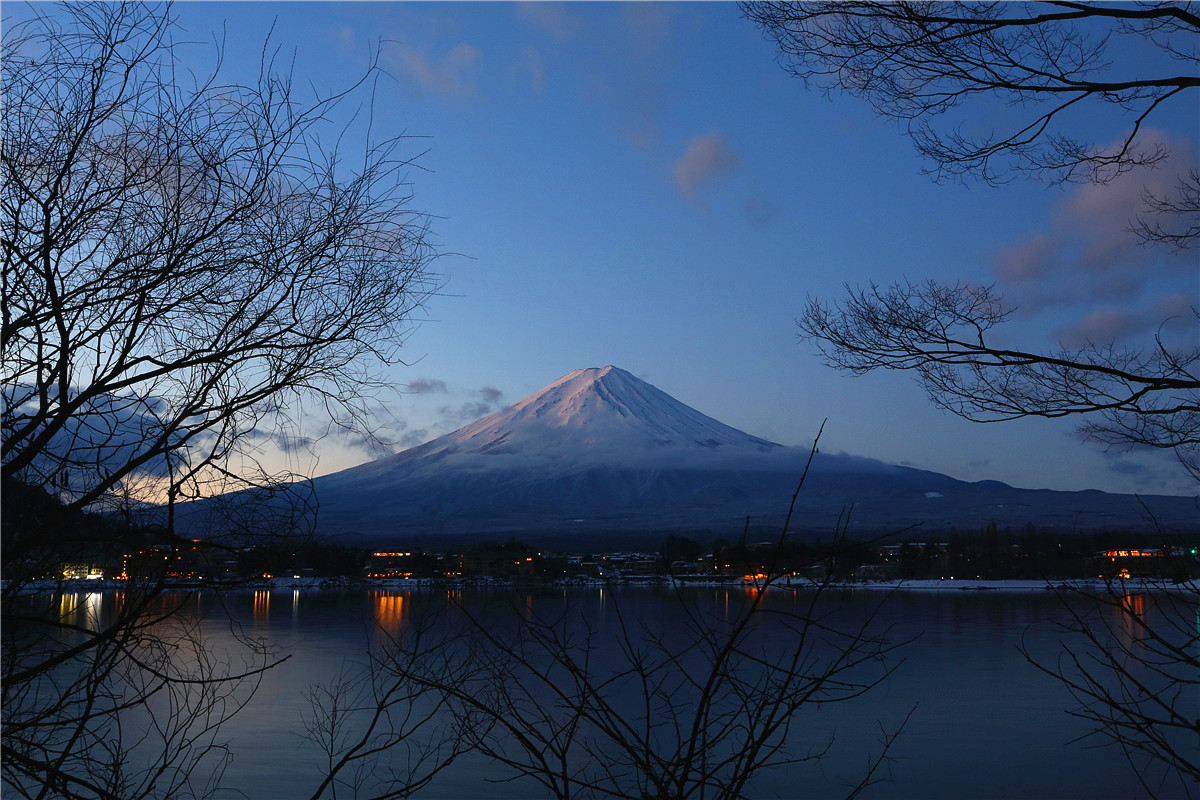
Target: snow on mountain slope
(593,410)
(588,417)
(600,449)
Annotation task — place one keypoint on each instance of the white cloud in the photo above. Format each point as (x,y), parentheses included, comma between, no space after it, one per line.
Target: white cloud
(705,158)
(451,74)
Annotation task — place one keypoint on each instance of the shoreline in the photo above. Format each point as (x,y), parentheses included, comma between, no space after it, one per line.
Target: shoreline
(789,583)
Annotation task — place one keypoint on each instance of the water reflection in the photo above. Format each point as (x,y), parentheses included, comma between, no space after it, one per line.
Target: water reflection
(963,669)
(390,608)
(262,607)
(82,610)
(92,610)
(68,609)
(1132,613)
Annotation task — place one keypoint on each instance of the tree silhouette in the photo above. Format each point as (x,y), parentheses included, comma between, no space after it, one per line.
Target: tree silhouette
(610,705)
(1133,397)
(620,708)
(922,64)
(1130,660)
(919,62)
(187,269)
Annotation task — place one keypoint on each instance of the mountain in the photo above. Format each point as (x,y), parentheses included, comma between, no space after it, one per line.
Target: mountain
(600,451)
(589,417)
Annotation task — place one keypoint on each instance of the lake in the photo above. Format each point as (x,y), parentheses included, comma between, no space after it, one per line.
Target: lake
(981,721)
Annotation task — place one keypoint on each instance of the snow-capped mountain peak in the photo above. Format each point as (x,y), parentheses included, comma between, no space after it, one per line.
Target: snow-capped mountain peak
(600,409)
(602,450)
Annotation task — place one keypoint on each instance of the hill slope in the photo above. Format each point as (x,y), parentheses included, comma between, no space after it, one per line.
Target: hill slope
(601,451)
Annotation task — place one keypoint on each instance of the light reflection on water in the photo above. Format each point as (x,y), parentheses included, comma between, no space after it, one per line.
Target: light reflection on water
(1129,616)
(986,725)
(81,609)
(389,609)
(262,608)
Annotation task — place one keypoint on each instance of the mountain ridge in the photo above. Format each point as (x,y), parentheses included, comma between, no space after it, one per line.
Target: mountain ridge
(602,449)
(596,408)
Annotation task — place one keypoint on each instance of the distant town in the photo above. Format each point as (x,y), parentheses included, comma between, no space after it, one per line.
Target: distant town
(75,547)
(989,555)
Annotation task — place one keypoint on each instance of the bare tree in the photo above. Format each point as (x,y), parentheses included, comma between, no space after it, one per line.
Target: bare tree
(124,702)
(629,710)
(944,334)
(1130,659)
(923,65)
(187,268)
(920,62)
(591,704)
(380,731)
(184,263)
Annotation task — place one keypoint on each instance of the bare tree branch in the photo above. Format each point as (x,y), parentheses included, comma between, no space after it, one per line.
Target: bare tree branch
(186,265)
(1130,661)
(917,61)
(621,708)
(1132,398)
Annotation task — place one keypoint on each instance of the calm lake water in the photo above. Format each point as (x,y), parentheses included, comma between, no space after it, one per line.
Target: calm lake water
(984,722)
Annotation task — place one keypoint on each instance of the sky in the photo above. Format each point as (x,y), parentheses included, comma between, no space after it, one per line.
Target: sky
(643,185)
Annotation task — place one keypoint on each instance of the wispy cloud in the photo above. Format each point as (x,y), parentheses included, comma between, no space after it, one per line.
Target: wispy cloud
(1104,327)
(1087,252)
(646,30)
(487,400)
(1027,260)
(555,19)
(759,210)
(1126,467)
(649,24)
(105,435)
(704,159)
(528,70)
(427,386)
(467,412)
(452,74)
(412,438)
(1105,286)
(1145,470)
(1178,309)
(1172,317)
(624,50)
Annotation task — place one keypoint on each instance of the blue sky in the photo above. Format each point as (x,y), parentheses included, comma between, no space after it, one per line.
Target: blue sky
(642,185)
